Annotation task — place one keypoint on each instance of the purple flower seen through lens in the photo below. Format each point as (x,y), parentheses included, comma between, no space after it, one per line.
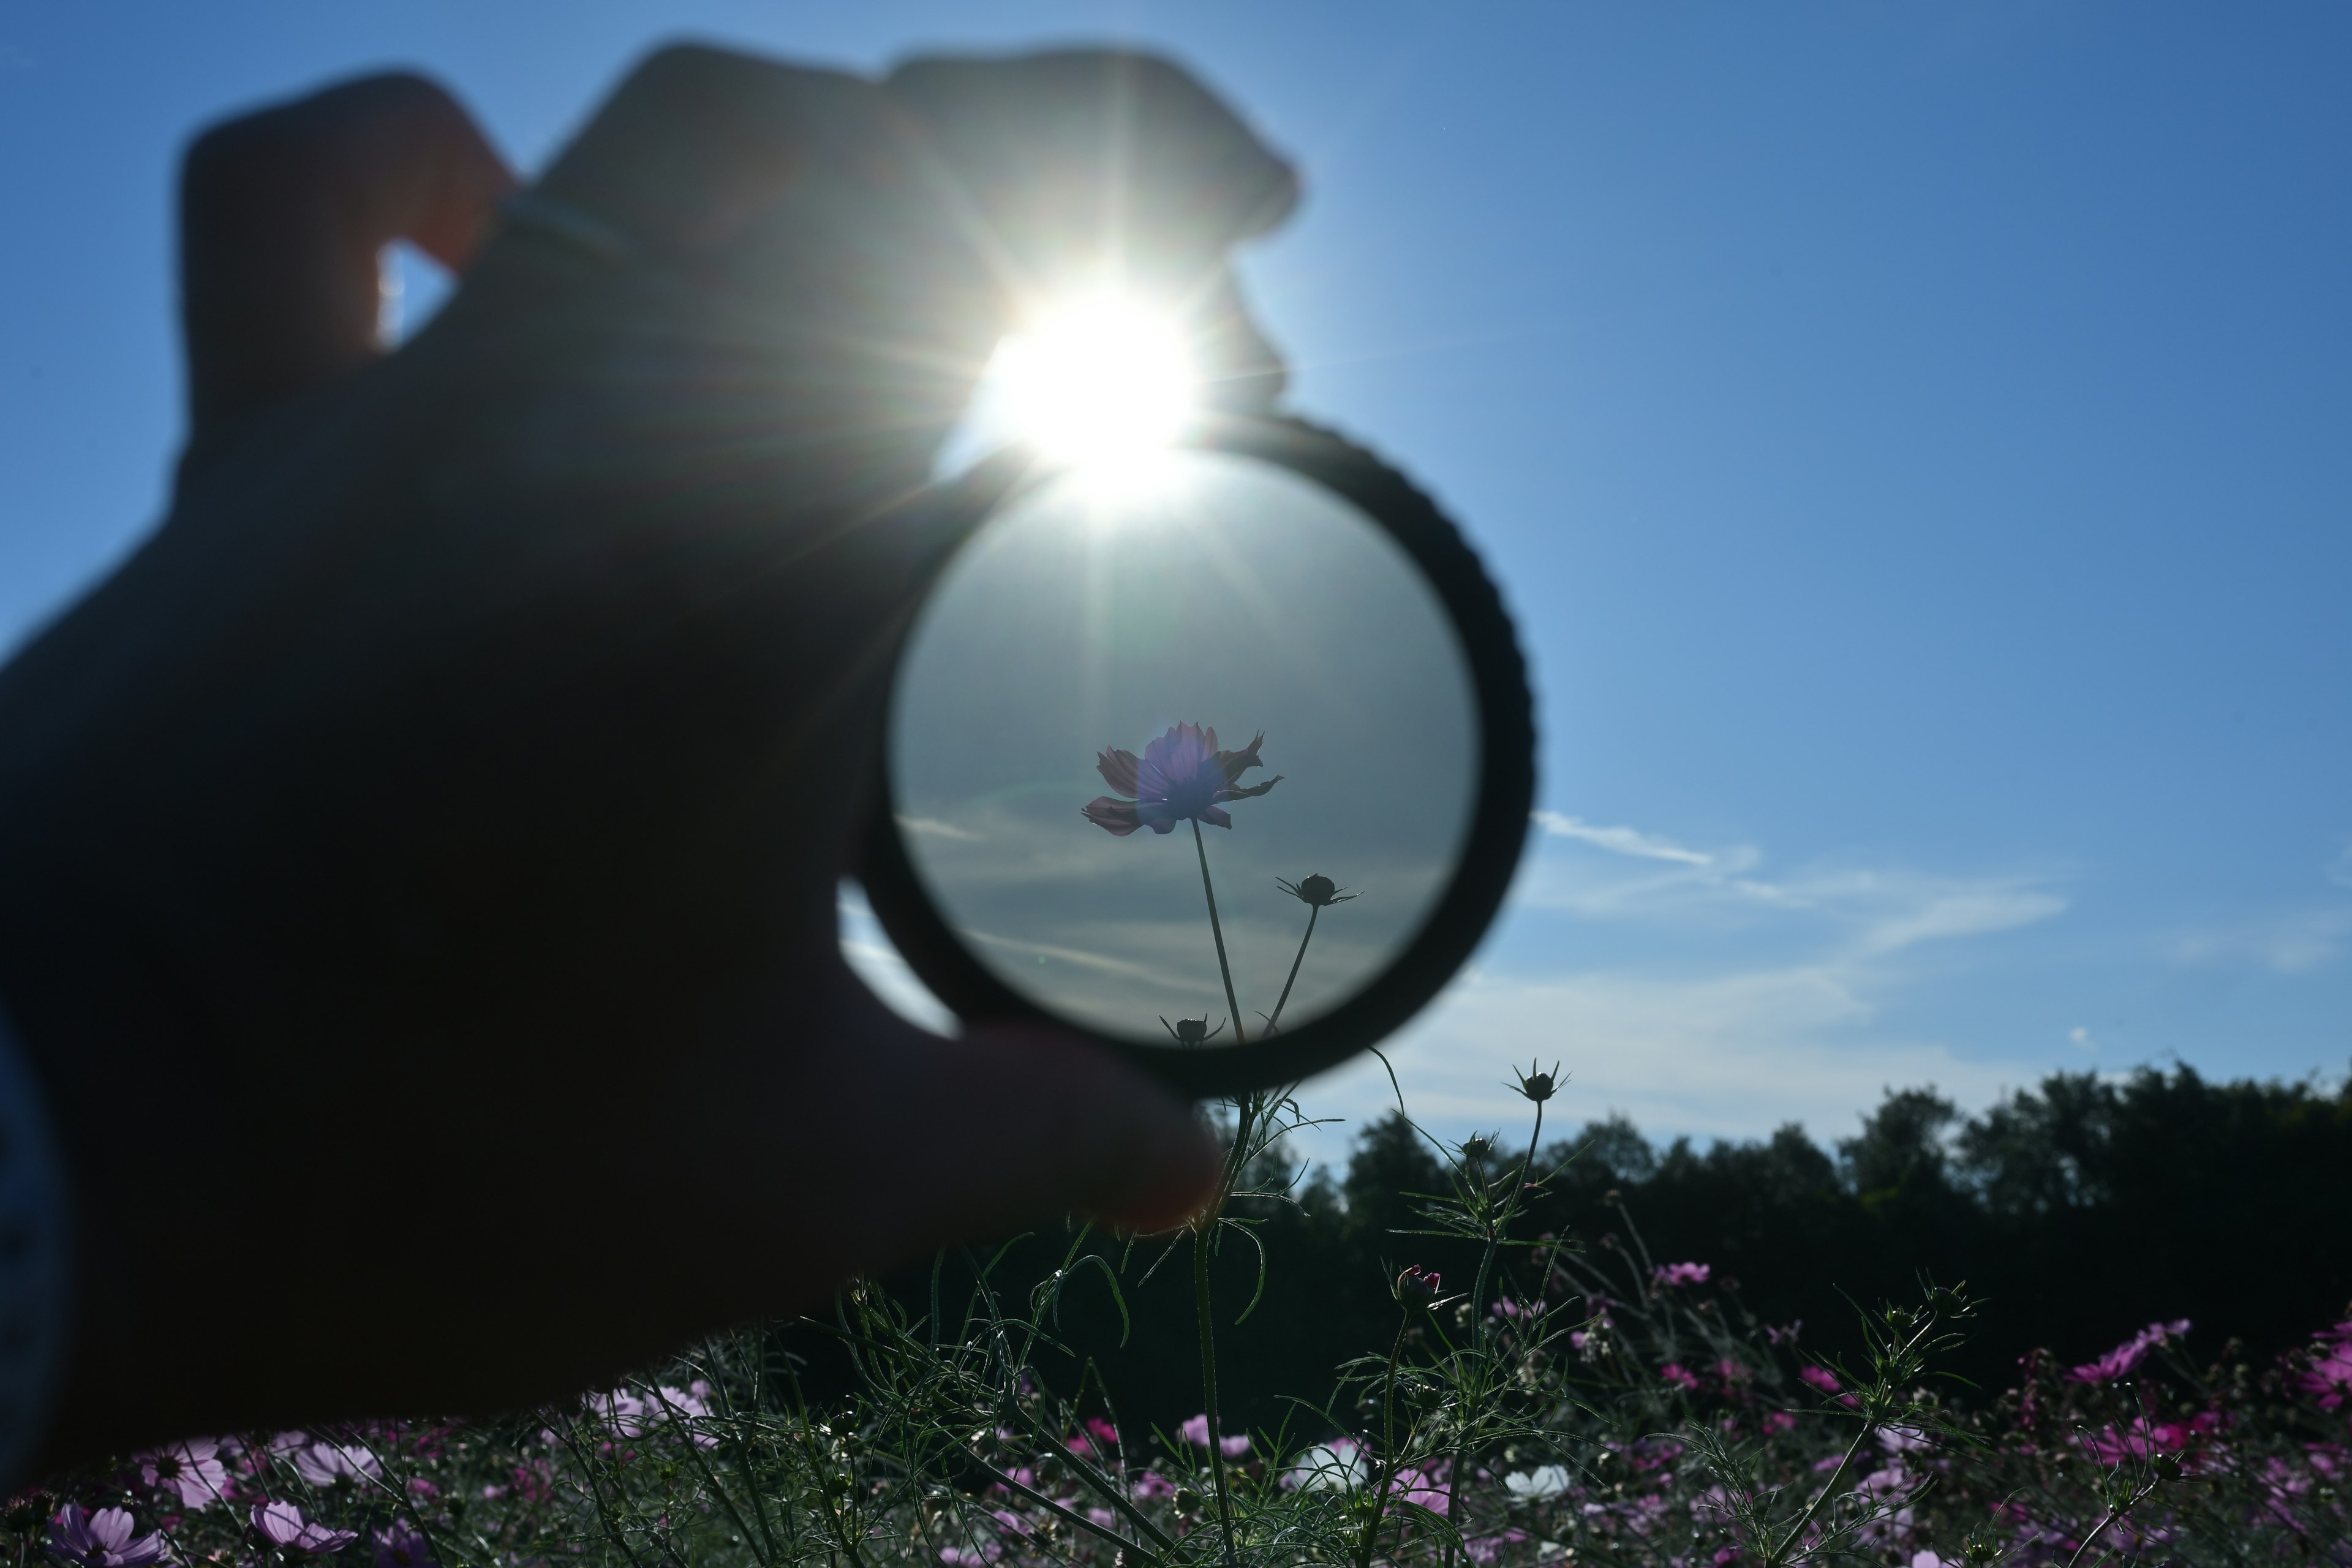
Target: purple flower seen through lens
(403,1546)
(282,1525)
(101,1539)
(1181,777)
(191,1469)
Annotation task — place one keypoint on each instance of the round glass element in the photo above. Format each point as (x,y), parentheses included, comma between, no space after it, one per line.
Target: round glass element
(1184,751)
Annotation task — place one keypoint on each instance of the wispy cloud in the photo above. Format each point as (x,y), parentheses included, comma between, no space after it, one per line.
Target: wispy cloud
(1728,1001)
(938,830)
(2286,945)
(1731,999)
(1630,841)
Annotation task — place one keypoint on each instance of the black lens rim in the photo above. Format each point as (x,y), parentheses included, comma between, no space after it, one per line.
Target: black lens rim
(1498,824)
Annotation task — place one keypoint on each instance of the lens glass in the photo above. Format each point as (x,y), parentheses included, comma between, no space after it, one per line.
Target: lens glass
(1184,751)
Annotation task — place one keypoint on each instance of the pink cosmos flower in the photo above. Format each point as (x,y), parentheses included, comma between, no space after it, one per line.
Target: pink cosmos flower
(101,1539)
(193,1470)
(1151,1485)
(284,1527)
(2120,1360)
(1684,1274)
(1182,776)
(2138,1441)
(1102,1430)
(1422,1489)
(2329,1375)
(403,1546)
(1196,1433)
(1676,1373)
(1821,1377)
(1779,1421)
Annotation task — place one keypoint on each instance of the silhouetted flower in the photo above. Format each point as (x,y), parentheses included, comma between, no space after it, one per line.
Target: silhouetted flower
(284,1527)
(1191,1031)
(192,1471)
(1181,776)
(101,1539)
(1318,889)
(1538,1086)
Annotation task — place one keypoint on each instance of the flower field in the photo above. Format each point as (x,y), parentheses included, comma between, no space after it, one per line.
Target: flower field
(1561,1403)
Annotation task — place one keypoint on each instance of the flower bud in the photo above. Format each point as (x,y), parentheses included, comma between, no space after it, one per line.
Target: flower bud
(1317,889)
(1417,1287)
(1538,1086)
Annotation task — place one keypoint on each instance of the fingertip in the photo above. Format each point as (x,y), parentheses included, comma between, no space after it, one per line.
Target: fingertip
(1014,1126)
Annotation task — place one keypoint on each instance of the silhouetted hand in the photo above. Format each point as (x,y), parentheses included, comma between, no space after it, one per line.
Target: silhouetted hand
(418,863)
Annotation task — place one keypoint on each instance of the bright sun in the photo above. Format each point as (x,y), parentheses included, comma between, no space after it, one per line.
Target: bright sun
(1102,382)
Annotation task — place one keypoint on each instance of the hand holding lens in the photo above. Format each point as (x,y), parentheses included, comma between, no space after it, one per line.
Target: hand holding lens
(1211,740)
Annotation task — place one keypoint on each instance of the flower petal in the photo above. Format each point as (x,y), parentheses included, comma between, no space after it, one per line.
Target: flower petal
(1239,792)
(1215,816)
(1236,763)
(1118,769)
(1113,816)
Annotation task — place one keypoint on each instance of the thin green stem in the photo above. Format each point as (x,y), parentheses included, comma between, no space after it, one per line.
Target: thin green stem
(1245,1113)
(1273,1022)
(1233,1007)
(1779,1555)
(1388,1450)
(1478,1325)
(1209,1381)
(2115,1512)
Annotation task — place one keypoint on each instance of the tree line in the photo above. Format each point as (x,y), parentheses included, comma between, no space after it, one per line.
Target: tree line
(2079,1211)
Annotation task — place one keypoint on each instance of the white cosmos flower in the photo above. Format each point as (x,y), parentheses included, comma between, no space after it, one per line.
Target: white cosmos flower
(1543,1481)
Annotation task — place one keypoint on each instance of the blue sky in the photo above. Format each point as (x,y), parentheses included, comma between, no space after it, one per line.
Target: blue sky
(1915,440)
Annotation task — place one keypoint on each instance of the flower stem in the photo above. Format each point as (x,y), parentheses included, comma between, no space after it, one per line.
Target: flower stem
(1312,911)
(1388,1467)
(1233,1007)
(1209,1381)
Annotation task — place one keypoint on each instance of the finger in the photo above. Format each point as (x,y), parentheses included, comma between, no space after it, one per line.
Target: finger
(283,215)
(1241,370)
(1083,163)
(1006,1129)
(821,266)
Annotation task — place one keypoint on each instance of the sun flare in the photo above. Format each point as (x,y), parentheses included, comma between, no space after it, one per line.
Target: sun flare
(1103,382)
